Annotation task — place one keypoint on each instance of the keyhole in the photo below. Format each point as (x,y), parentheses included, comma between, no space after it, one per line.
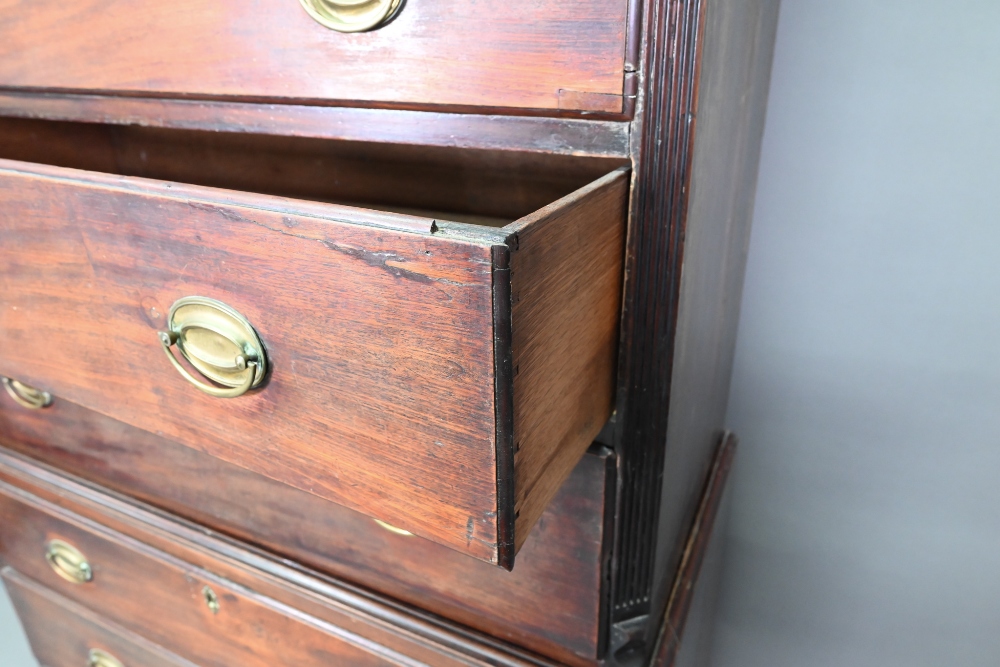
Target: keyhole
(211,599)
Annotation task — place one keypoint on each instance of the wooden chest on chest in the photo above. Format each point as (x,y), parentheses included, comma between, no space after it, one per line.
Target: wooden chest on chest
(370,331)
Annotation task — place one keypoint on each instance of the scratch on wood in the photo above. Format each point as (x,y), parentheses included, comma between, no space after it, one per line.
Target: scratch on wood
(383,260)
(227,213)
(388,261)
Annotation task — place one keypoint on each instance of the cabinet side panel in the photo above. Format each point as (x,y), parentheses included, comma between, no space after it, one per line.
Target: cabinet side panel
(733,85)
(696,140)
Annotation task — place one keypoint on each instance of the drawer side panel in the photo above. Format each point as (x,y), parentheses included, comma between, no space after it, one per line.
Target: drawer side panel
(566,284)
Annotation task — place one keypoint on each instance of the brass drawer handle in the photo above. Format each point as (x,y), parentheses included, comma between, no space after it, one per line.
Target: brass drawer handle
(219,342)
(99,658)
(352,15)
(25,395)
(68,562)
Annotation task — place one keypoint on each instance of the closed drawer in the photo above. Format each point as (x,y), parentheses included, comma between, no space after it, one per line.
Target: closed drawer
(443,377)
(220,612)
(65,634)
(553,602)
(518,54)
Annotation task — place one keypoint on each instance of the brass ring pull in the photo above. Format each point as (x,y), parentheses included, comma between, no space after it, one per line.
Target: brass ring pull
(352,15)
(67,561)
(219,342)
(99,658)
(26,395)
(169,338)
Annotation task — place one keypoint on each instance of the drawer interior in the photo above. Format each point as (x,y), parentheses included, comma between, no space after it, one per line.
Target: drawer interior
(491,188)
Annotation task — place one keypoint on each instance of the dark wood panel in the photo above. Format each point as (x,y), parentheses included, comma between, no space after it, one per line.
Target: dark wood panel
(521,54)
(79,145)
(63,633)
(551,602)
(165,601)
(733,82)
(565,275)
(150,570)
(661,154)
(699,116)
(381,397)
(560,136)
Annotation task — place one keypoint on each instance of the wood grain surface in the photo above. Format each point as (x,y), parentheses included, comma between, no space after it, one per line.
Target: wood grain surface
(163,600)
(520,54)
(150,571)
(62,633)
(550,603)
(566,281)
(381,397)
(552,76)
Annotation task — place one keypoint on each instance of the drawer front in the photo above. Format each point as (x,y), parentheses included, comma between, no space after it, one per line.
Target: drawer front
(411,375)
(381,393)
(194,611)
(552,602)
(65,634)
(518,54)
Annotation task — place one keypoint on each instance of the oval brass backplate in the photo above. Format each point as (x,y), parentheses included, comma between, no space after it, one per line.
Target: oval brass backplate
(219,342)
(67,561)
(352,15)
(100,658)
(26,395)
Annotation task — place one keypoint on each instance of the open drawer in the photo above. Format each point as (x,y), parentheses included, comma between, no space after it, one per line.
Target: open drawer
(442,376)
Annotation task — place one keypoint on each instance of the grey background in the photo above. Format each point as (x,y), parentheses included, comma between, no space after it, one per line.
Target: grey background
(866,519)
(14,651)
(866,514)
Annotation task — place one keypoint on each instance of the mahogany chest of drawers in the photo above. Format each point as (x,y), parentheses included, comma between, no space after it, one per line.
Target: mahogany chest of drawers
(370,331)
